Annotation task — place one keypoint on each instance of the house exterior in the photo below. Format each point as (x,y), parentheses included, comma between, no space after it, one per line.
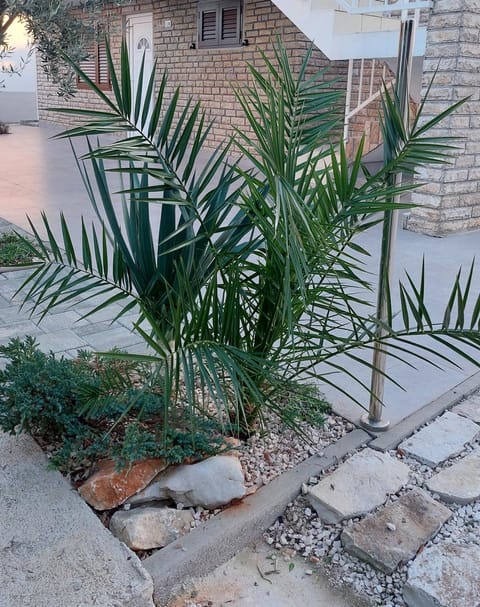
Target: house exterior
(206,44)
(205,72)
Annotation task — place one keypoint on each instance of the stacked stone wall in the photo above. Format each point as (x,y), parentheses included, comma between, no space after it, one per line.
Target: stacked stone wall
(449,200)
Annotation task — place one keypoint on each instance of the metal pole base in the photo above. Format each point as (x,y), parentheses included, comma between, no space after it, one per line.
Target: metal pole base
(372,425)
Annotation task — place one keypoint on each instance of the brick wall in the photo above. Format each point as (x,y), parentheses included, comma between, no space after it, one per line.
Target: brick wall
(205,74)
(450,199)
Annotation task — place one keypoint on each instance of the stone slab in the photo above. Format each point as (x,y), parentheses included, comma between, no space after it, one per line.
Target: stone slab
(461,482)
(440,440)
(357,486)
(223,536)
(53,549)
(395,533)
(470,408)
(391,438)
(239,583)
(444,575)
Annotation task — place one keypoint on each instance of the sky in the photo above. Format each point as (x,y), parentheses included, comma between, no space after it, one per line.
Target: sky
(26,81)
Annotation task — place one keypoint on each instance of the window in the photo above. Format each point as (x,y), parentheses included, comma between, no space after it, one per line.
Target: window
(96,67)
(219,23)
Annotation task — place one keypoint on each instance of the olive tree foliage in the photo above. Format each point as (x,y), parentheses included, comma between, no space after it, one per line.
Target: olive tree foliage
(57,28)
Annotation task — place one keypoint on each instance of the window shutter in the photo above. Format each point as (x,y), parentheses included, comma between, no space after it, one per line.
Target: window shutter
(219,23)
(208,28)
(103,72)
(230,25)
(88,66)
(96,66)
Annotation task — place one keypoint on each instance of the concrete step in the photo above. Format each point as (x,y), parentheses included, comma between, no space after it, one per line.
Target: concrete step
(53,549)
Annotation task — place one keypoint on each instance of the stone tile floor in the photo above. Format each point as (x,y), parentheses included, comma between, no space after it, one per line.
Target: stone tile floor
(66,329)
(421,547)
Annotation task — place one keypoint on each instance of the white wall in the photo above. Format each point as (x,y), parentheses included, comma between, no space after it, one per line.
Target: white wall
(18,92)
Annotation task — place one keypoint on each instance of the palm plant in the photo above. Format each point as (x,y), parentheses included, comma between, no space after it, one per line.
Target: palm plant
(254,276)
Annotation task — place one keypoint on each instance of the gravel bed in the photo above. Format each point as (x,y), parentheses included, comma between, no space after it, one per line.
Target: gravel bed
(300,531)
(265,456)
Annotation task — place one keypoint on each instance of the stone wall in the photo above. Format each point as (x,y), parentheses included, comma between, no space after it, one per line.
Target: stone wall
(450,199)
(205,74)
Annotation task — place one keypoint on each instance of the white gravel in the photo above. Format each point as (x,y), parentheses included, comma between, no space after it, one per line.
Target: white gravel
(264,457)
(300,531)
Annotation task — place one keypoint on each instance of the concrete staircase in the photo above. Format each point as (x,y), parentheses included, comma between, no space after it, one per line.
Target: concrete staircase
(353,29)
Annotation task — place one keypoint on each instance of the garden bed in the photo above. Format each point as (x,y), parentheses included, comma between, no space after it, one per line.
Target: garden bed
(43,395)
(15,253)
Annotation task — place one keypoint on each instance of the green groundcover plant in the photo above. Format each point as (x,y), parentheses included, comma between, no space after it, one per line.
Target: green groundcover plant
(247,280)
(15,251)
(45,396)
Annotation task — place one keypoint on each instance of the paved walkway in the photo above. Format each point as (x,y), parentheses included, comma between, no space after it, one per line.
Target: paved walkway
(64,330)
(411,514)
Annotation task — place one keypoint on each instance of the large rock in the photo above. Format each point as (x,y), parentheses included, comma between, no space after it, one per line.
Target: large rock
(444,575)
(146,527)
(357,486)
(107,488)
(396,532)
(211,483)
(461,482)
(440,440)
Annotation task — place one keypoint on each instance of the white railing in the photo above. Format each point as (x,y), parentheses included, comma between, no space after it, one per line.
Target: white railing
(361,7)
(368,88)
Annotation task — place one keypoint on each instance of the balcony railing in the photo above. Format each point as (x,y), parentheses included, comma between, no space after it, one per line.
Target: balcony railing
(364,7)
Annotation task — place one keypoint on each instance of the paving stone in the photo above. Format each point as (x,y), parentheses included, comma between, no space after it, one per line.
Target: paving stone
(357,486)
(396,532)
(63,320)
(60,341)
(469,408)
(20,329)
(461,482)
(115,337)
(444,575)
(440,440)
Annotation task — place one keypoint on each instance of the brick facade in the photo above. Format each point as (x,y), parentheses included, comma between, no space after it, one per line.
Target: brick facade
(450,199)
(204,74)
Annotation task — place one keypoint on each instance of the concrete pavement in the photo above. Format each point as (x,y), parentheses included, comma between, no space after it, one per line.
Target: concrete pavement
(53,551)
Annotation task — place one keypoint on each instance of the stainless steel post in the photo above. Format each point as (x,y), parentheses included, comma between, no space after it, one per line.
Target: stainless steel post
(373,420)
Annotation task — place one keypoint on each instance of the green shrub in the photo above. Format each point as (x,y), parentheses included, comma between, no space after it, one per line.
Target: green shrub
(46,396)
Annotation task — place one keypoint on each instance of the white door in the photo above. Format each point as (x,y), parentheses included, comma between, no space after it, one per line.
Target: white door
(140,45)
